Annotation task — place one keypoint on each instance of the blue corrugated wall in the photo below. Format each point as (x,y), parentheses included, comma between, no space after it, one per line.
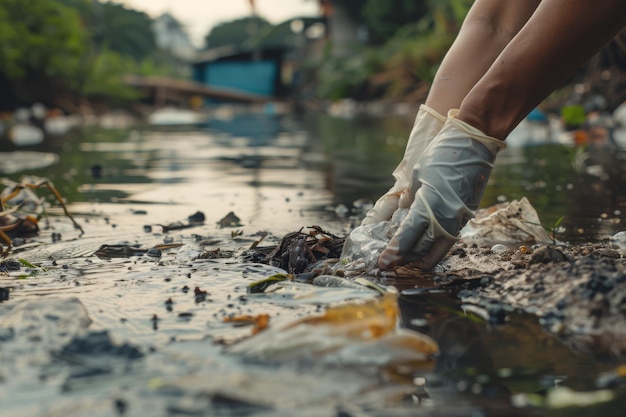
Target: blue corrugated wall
(256,77)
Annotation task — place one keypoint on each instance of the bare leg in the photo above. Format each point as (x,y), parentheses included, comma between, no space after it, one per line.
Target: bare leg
(488,28)
(557,40)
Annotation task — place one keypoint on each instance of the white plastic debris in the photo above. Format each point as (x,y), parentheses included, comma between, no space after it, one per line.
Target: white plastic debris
(365,244)
(508,223)
(618,241)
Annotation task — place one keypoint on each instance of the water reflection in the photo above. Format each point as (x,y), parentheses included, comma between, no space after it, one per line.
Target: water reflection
(270,159)
(488,363)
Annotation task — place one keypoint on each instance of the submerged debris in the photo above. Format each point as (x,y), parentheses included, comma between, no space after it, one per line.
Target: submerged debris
(299,251)
(352,333)
(260,321)
(262,285)
(216,254)
(230,220)
(194,220)
(20,209)
(126,251)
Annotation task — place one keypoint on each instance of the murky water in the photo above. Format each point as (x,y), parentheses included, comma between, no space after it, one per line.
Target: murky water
(86,335)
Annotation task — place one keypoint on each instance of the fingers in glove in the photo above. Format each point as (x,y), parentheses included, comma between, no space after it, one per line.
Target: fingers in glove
(437,252)
(409,233)
(420,238)
(382,210)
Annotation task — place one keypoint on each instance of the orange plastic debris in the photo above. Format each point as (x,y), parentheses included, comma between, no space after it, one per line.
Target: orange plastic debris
(260,321)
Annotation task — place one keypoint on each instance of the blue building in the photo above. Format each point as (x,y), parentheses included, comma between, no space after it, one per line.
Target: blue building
(268,65)
(252,71)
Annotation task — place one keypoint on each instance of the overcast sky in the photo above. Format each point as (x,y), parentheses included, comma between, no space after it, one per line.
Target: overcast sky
(199,16)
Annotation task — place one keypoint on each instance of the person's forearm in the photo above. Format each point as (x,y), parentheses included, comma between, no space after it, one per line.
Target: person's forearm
(488,28)
(556,41)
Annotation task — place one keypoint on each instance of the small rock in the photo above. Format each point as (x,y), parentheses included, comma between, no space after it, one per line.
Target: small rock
(547,254)
(154,253)
(605,253)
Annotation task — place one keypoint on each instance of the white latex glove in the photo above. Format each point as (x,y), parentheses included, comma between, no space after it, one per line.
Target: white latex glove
(449,180)
(426,126)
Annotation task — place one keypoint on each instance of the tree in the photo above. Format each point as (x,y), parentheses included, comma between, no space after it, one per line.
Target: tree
(237,32)
(42,44)
(116,28)
(384,18)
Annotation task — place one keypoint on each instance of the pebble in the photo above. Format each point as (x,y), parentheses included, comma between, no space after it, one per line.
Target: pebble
(548,254)
(498,248)
(154,253)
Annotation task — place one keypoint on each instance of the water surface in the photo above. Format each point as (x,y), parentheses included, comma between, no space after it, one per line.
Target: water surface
(158,354)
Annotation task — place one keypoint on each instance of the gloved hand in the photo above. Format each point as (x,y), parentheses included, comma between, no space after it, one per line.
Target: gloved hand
(449,180)
(426,126)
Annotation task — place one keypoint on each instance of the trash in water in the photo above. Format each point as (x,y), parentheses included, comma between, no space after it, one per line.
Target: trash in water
(12,162)
(261,286)
(126,251)
(506,224)
(230,220)
(259,321)
(299,251)
(357,333)
(193,220)
(365,244)
(618,241)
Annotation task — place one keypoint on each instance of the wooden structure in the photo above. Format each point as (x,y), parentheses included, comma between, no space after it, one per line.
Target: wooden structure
(162,91)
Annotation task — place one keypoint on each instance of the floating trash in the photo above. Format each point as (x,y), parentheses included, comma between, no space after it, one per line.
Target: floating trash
(365,244)
(12,162)
(26,135)
(618,241)
(357,333)
(230,220)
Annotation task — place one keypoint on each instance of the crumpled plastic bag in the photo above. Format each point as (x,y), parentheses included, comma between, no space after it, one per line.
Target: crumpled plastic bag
(514,222)
(618,240)
(358,333)
(365,244)
(509,223)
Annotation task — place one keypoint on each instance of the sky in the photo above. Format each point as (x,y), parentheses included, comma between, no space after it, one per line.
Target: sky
(199,16)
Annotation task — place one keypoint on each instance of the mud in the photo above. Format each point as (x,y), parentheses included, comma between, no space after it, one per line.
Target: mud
(577,292)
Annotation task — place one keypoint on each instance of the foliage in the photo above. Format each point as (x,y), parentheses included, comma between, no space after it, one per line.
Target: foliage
(114,27)
(42,46)
(236,32)
(65,50)
(347,76)
(385,18)
(418,34)
(106,72)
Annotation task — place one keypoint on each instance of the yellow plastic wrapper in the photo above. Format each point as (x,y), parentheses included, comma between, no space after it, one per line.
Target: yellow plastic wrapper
(369,320)
(357,333)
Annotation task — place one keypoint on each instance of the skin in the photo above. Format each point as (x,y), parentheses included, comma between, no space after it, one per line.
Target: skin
(486,31)
(556,41)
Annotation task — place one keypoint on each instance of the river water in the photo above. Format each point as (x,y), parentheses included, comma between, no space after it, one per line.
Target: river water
(87,335)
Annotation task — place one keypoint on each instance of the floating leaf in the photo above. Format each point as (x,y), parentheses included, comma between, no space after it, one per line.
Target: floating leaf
(261,286)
